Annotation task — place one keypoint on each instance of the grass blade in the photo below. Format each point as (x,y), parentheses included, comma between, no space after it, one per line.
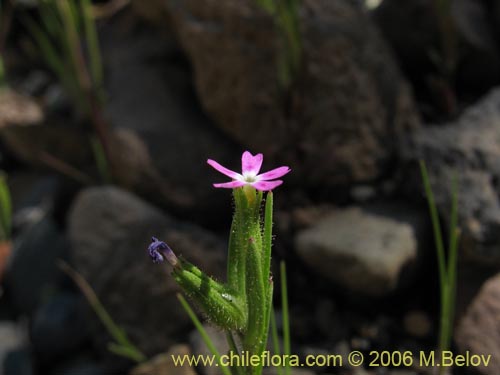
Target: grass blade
(92,39)
(122,346)
(5,209)
(286,321)
(204,335)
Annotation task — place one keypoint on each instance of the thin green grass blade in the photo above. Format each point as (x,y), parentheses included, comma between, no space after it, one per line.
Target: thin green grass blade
(50,19)
(286,320)
(2,73)
(204,335)
(113,329)
(275,339)
(127,352)
(101,160)
(5,209)
(274,334)
(436,226)
(96,69)
(238,370)
(452,260)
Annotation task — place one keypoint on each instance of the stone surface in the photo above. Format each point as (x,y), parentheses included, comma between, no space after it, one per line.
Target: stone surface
(165,117)
(18,110)
(162,364)
(371,251)
(59,327)
(417,323)
(349,105)
(412,28)
(109,231)
(479,330)
(18,362)
(469,149)
(12,337)
(32,270)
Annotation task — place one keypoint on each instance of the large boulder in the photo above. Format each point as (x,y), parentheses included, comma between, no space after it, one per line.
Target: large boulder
(347,108)
(468,149)
(109,230)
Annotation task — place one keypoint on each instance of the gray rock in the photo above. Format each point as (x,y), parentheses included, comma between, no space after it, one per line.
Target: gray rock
(165,116)
(59,327)
(348,108)
(109,231)
(32,268)
(18,362)
(412,28)
(479,330)
(372,251)
(469,149)
(80,365)
(12,337)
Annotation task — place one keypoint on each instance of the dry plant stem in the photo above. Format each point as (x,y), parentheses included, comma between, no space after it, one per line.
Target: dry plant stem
(65,169)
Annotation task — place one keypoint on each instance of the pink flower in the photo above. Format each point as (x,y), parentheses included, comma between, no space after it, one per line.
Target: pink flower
(250,168)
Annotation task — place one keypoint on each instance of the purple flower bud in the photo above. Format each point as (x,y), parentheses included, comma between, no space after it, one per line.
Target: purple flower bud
(159,250)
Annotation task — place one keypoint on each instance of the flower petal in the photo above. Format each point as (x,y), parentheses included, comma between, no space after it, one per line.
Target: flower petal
(274,173)
(224,170)
(266,185)
(230,185)
(251,164)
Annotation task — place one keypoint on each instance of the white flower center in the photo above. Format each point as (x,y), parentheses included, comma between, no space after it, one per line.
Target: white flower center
(250,178)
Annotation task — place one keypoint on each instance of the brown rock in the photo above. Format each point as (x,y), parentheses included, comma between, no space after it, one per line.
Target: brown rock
(348,108)
(163,364)
(479,329)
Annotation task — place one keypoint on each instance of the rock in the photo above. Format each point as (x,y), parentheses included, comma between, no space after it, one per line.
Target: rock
(372,251)
(18,362)
(110,229)
(234,50)
(468,149)
(479,330)
(13,338)
(199,348)
(18,110)
(162,364)
(417,324)
(32,269)
(413,30)
(80,365)
(165,117)
(59,327)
